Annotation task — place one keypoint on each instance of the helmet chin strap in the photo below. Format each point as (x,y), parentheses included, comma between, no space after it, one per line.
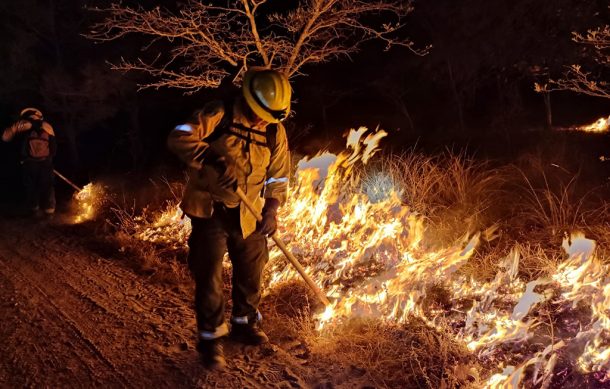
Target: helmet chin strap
(249,113)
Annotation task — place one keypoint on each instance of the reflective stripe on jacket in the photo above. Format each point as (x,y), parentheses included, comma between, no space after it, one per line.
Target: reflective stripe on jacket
(258,166)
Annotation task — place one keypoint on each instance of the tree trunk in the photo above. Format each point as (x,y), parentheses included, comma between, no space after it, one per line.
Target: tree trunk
(69,121)
(135,139)
(402,106)
(548,111)
(456,96)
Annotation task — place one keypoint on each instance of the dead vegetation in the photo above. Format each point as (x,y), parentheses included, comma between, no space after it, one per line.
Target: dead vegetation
(454,192)
(515,207)
(412,355)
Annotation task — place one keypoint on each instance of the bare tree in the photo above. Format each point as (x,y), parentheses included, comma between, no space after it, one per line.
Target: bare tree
(578,80)
(208,42)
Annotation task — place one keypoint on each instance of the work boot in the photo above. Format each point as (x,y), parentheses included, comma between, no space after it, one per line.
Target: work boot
(248,333)
(49,215)
(212,354)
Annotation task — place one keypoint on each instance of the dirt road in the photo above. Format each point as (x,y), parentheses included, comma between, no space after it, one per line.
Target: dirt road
(73,317)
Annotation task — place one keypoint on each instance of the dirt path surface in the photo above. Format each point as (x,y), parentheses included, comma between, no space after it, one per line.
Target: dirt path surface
(74,318)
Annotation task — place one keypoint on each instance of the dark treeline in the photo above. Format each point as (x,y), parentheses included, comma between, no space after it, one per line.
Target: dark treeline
(476,82)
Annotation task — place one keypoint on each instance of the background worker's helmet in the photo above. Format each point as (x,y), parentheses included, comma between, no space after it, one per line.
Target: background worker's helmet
(31,113)
(267,93)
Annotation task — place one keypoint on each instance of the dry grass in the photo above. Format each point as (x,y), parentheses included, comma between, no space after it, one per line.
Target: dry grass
(536,259)
(557,206)
(456,195)
(288,308)
(150,261)
(453,192)
(411,355)
(127,212)
(601,234)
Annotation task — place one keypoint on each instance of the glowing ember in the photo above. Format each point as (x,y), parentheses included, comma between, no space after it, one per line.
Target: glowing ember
(88,201)
(600,126)
(171,227)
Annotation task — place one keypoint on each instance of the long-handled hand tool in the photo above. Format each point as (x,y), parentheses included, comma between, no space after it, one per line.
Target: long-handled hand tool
(278,241)
(73,185)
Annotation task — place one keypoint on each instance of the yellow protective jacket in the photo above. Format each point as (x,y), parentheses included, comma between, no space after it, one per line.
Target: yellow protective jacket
(258,166)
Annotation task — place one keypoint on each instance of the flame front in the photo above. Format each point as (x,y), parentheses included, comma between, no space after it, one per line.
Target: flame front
(601,125)
(88,201)
(369,254)
(171,227)
(367,250)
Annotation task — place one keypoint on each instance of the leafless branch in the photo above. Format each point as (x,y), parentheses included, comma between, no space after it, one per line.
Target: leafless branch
(575,78)
(201,44)
(599,38)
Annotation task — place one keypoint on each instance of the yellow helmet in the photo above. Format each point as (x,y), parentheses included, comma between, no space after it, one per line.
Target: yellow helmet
(267,93)
(27,113)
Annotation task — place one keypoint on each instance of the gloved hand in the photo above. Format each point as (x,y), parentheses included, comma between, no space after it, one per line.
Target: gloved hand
(228,175)
(269,223)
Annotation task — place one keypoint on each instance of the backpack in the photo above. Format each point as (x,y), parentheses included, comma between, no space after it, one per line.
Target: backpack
(224,127)
(37,142)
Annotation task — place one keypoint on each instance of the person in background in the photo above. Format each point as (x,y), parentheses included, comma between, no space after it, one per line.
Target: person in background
(38,147)
(236,143)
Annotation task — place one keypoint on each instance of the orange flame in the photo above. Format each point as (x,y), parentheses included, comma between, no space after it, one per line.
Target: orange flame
(601,125)
(171,227)
(368,252)
(88,201)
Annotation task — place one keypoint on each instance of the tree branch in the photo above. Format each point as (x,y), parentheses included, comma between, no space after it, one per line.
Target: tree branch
(208,42)
(577,80)
(254,29)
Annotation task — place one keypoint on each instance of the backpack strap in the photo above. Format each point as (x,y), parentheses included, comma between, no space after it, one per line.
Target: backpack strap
(225,127)
(225,123)
(271,134)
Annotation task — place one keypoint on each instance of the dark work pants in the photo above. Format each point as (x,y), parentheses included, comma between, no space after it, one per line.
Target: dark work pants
(38,181)
(209,241)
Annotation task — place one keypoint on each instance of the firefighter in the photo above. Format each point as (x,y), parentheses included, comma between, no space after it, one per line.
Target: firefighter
(236,143)
(37,152)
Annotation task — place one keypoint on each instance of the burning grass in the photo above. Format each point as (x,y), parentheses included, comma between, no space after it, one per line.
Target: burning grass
(88,202)
(451,191)
(394,245)
(601,125)
(408,355)
(152,238)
